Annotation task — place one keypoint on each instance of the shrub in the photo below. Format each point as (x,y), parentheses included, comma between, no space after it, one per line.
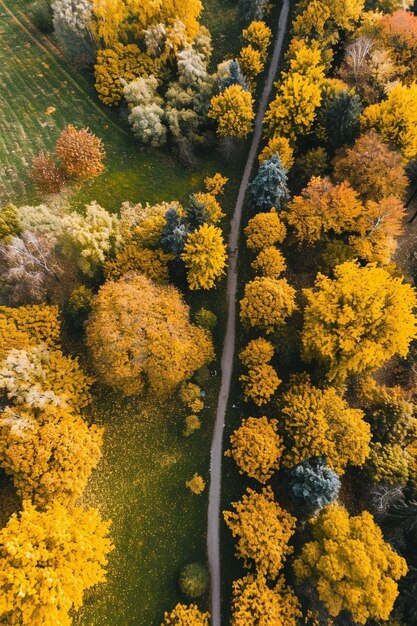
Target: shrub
(194,580)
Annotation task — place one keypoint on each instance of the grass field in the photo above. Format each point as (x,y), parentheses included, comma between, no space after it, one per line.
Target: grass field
(40,95)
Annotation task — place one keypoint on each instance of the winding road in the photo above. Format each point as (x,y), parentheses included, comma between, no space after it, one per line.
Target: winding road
(216,454)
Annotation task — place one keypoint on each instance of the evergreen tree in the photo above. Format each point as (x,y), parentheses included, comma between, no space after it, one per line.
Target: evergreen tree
(313,484)
(269,188)
(342,119)
(175,232)
(235,77)
(196,213)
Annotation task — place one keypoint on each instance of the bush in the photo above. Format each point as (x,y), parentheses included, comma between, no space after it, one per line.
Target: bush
(194,580)
(192,423)
(206,319)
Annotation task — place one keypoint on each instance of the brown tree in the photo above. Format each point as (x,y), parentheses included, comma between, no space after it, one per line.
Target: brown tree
(80,152)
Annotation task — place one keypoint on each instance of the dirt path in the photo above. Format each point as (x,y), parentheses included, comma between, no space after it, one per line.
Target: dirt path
(213,529)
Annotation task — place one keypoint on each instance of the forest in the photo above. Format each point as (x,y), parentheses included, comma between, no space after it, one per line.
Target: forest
(208,354)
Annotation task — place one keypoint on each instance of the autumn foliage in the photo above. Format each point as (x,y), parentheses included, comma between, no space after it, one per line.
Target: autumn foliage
(139,335)
(80,152)
(71,548)
(358,320)
(351,565)
(263,530)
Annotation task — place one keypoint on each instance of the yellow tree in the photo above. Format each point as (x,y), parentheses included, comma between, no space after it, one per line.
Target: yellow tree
(264,230)
(256,604)
(233,111)
(257,351)
(267,303)
(36,376)
(204,257)
(269,262)
(395,118)
(280,146)
(293,111)
(24,326)
(250,61)
(351,566)
(259,383)
(139,334)
(319,422)
(263,529)
(186,615)
(358,320)
(49,452)
(258,35)
(48,560)
(257,448)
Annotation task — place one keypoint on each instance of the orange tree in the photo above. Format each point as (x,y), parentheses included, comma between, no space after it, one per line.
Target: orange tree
(139,334)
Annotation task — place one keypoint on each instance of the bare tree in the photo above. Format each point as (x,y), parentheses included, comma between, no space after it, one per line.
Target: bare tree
(29,265)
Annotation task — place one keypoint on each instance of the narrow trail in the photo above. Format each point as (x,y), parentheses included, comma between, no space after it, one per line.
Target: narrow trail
(213,527)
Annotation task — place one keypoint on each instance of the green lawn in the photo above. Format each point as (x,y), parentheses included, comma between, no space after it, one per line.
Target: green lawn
(41,94)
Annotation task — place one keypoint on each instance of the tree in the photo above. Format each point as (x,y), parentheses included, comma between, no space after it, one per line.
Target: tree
(37,376)
(358,320)
(267,303)
(204,257)
(257,352)
(25,326)
(256,448)
(49,452)
(119,65)
(190,395)
(71,548)
(46,174)
(395,118)
(256,604)
(30,266)
(184,615)
(399,35)
(319,422)
(89,239)
(390,413)
(250,62)
(139,334)
(372,168)
(80,152)
(152,263)
(203,207)
(293,111)
(71,21)
(313,484)
(206,319)
(260,383)
(10,224)
(280,146)
(389,463)
(192,66)
(270,262)
(264,230)
(252,9)
(258,35)
(233,111)
(323,207)
(342,118)
(263,529)
(269,187)
(175,232)
(351,565)
(233,76)
(194,580)
(146,114)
